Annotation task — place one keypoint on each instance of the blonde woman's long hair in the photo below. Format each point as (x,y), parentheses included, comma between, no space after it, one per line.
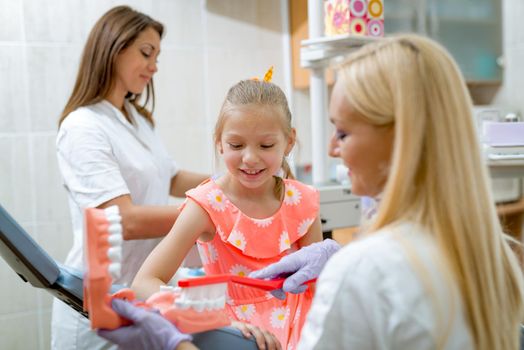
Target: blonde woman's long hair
(258,93)
(437,176)
(113,32)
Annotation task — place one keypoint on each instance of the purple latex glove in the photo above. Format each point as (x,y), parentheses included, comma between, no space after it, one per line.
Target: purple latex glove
(300,266)
(148,331)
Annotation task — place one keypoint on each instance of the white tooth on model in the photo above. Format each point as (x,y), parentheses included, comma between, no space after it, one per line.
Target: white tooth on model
(115,254)
(115,239)
(115,270)
(115,228)
(112,210)
(210,297)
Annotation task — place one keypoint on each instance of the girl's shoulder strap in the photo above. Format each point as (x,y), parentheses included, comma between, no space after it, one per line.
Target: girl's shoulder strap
(212,199)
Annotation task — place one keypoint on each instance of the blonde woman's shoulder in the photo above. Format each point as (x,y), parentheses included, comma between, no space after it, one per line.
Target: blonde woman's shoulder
(387,288)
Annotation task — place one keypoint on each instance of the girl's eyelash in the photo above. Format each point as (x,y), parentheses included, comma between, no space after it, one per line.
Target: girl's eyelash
(234,146)
(267,146)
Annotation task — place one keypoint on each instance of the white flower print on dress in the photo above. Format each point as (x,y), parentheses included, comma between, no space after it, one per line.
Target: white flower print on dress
(212,253)
(237,239)
(304,226)
(292,196)
(239,270)
(269,295)
(279,316)
(245,312)
(202,253)
(284,241)
(263,222)
(217,200)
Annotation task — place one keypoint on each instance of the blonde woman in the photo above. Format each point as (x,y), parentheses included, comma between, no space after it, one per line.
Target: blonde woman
(434,270)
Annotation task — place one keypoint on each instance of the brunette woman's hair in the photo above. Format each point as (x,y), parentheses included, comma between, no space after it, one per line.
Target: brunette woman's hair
(116,30)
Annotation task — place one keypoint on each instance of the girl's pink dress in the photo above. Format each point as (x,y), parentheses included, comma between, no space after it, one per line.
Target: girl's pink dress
(243,244)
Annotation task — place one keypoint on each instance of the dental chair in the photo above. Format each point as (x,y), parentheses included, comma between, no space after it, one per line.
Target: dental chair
(35,266)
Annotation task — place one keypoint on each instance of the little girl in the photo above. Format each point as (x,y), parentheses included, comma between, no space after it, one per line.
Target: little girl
(248,218)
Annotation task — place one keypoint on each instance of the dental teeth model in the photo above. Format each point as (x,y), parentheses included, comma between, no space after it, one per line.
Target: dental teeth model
(193,307)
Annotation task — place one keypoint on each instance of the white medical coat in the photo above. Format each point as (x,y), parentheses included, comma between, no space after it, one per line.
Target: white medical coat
(102,156)
(386,292)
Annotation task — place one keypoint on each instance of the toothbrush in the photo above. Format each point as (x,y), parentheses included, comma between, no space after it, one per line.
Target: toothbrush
(267,285)
(193,307)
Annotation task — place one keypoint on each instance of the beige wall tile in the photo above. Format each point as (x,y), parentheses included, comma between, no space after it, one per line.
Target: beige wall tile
(13,91)
(51,75)
(11,19)
(56,23)
(182,20)
(50,196)
(16,296)
(45,329)
(19,332)
(179,89)
(16,188)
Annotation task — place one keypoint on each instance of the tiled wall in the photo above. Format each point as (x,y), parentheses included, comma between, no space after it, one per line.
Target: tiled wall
(209,45)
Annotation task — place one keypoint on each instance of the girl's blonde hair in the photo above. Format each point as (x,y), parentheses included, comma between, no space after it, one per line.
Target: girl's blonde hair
(116,30)
(437,176)
(263,94)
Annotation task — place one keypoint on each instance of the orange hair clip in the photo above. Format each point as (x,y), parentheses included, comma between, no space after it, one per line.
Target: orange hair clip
(267,76)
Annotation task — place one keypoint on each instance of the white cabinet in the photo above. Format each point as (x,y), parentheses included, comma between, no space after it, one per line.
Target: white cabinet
(470,29)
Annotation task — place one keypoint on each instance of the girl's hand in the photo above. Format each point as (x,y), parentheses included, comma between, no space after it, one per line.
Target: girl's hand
(265,340)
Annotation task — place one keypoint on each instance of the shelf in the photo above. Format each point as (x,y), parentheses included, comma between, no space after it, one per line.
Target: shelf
(513,208)
(319,52)
(506,168)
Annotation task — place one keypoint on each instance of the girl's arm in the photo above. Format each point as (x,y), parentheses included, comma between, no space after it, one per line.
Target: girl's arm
(314,234)
(164,260)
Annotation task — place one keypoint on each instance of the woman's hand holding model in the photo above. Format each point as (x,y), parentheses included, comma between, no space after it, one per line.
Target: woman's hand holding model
(301,266)
(149,330)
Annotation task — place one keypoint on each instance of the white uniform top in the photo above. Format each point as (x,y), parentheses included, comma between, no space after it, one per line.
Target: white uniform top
(387,291)
(102,156)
